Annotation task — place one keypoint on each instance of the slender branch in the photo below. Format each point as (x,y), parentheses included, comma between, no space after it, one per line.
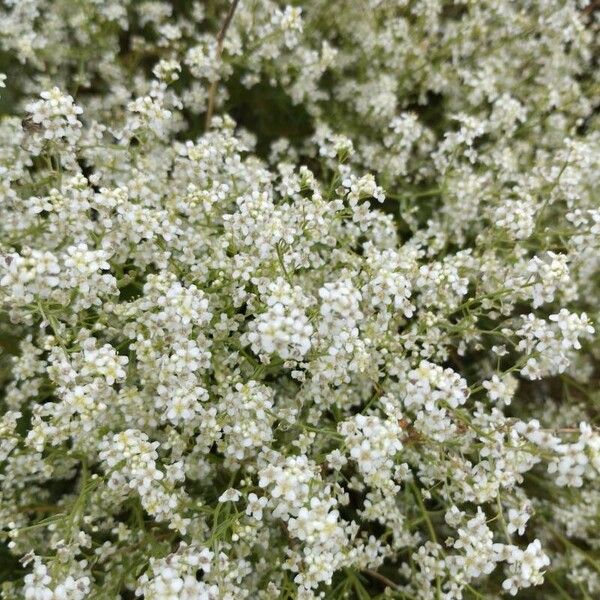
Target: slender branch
(382,578)
(424,512)
(220,39)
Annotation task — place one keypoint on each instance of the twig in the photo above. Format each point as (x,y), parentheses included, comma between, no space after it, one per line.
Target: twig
(220,38)
(382,578)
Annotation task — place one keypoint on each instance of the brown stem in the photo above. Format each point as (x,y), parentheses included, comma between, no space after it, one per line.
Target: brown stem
(220,38)
(382,578)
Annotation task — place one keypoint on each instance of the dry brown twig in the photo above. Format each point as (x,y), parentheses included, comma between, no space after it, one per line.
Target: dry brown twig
(212,93)
(382,578)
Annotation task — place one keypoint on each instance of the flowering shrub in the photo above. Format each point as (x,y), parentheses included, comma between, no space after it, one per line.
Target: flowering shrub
(297,301)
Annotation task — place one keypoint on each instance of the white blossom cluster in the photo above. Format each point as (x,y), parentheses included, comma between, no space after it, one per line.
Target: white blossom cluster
(299,299)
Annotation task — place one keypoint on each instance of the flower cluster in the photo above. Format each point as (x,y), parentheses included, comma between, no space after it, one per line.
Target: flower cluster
(298,300)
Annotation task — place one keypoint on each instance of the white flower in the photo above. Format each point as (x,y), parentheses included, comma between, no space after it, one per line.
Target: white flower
(202,279)
(500,389)
(230,495)
(56,113)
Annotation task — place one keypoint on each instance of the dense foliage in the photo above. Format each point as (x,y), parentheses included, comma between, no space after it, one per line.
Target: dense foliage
(298,301)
